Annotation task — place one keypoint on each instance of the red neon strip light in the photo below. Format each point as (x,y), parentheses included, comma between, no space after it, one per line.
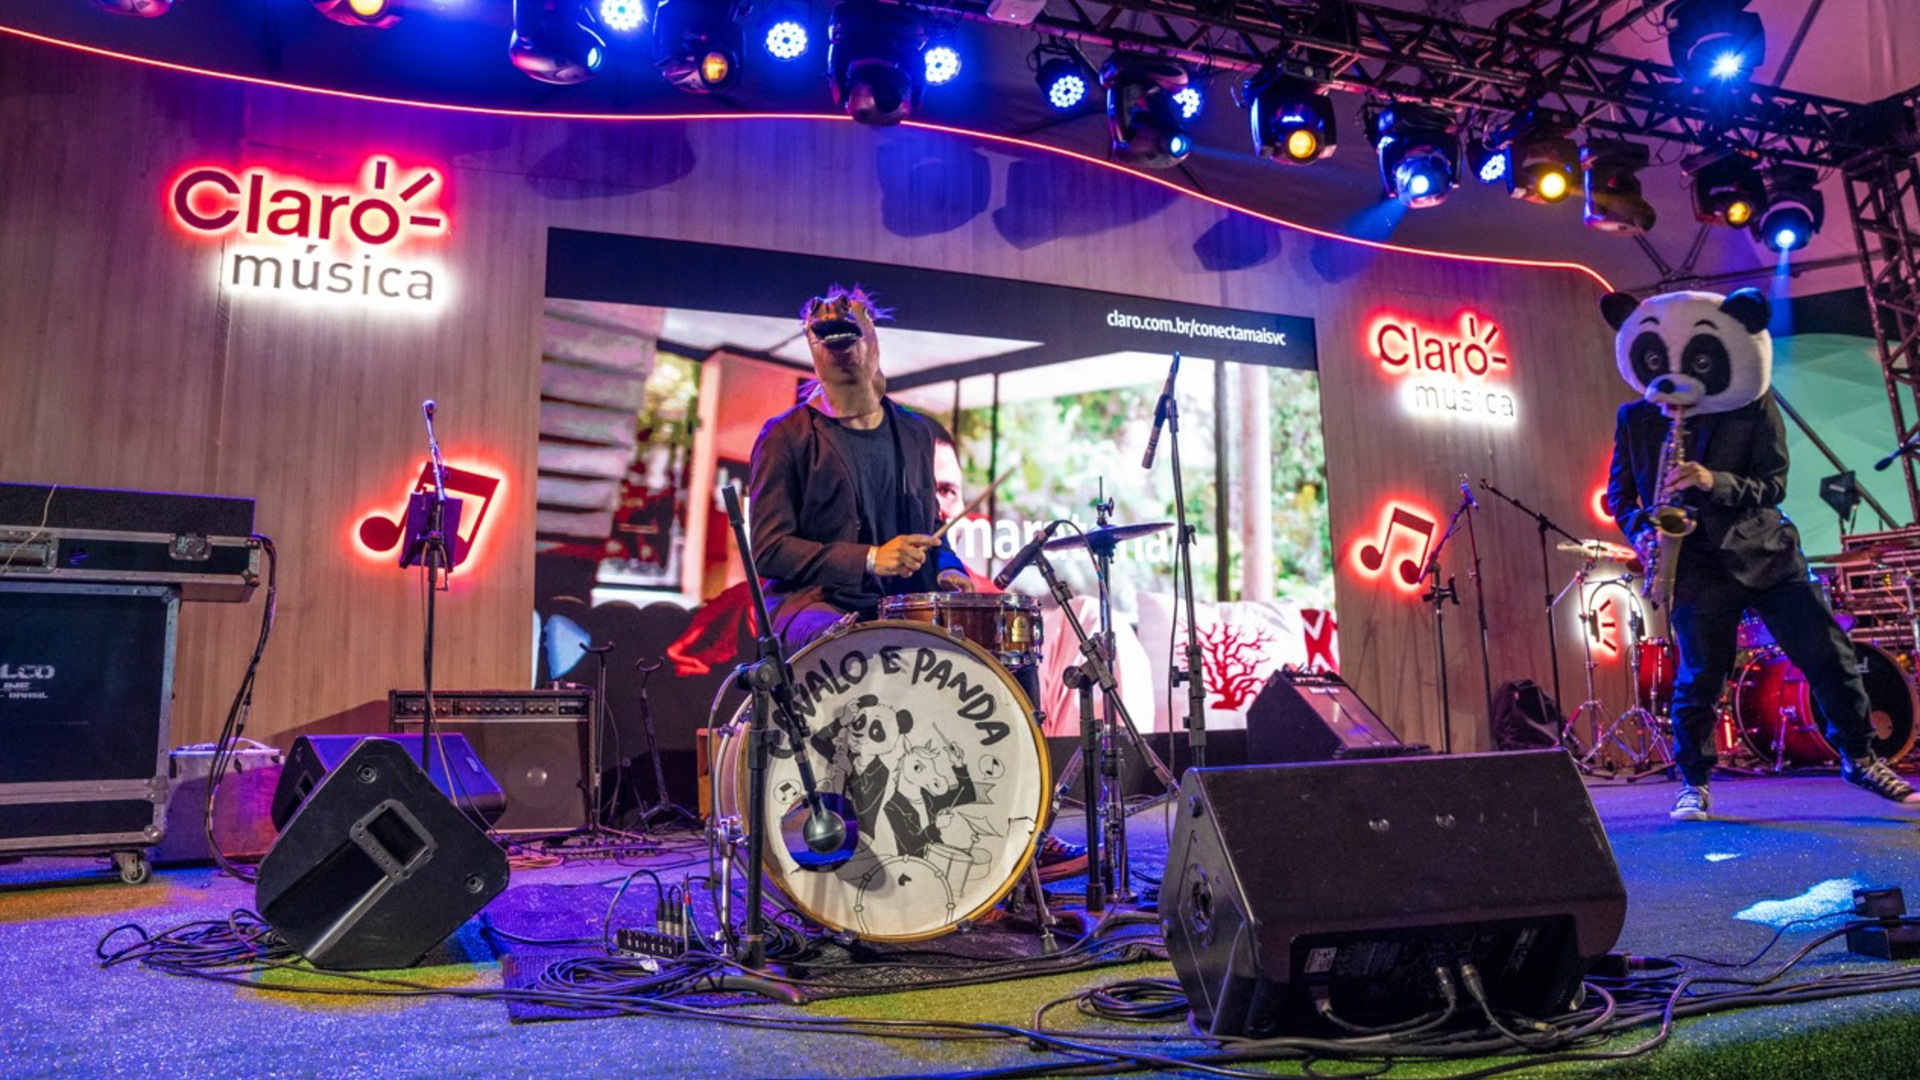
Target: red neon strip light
(1005,140)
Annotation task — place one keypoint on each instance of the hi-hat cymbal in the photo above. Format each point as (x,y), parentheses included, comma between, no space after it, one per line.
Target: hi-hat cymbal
(1600,549)
(1107,534)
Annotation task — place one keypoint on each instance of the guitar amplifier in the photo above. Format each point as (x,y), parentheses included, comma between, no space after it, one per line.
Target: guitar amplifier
(534,742)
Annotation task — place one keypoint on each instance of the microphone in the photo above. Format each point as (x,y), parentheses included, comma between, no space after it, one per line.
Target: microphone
(1025,556)
(1904,448)
(427,408)
(1466,492)
(1159,416)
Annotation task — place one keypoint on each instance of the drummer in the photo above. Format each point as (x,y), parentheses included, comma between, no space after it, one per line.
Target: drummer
(844,500)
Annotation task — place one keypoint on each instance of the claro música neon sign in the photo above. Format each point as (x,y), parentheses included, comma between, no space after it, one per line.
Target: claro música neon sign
(1454,372)
(359,242)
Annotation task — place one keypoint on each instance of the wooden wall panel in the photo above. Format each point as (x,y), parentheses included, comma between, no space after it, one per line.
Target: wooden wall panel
(124,365)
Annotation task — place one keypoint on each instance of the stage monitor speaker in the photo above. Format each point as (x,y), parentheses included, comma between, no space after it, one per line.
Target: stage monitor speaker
(1302,716)
(377,867)
(314,756)
(1294,891)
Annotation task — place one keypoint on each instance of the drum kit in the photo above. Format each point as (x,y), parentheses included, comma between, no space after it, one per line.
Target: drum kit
(1768,719)
(922,731)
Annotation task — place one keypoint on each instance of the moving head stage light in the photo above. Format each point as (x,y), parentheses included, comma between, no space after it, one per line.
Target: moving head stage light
(1291,116)
(1144,121)
(874,62)
(1419,153)
(697,44)
(379,14)
(1715,43)
(1727,189)
(1795,209)
(551,42)
(1614,203)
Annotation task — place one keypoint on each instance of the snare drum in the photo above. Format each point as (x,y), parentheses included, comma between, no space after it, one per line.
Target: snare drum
(1005,625)
(926,738)
(1779,721)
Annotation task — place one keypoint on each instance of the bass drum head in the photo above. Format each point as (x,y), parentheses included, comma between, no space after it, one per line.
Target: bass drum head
(931,744)
(1770,692)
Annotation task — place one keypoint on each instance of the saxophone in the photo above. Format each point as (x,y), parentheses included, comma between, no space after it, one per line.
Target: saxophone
(1660,548)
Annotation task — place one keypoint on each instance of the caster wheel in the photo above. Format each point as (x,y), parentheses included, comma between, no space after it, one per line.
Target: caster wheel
(133,866)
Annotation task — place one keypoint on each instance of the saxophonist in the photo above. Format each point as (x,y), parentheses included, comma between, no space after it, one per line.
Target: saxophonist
(1711,358)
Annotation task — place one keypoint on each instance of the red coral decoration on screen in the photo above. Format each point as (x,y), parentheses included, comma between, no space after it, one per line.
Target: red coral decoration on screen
(1234,656)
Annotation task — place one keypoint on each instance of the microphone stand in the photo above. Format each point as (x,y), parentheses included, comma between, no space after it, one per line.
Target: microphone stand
(1195,675)
(1438,595)
(1094,663)
(437,567)
(769,681)
(1479,598)
(1545,525)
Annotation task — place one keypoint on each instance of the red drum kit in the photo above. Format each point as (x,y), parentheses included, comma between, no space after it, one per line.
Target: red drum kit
(1768,718)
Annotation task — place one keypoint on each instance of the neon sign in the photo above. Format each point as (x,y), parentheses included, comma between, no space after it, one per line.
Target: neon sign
(1447,373)
(1397,552)
(377,534)
(299,239)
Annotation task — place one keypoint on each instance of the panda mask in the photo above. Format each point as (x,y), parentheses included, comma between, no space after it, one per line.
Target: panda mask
(1696,351)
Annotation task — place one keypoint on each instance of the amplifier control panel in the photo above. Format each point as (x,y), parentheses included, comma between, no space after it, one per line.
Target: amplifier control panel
(404,706)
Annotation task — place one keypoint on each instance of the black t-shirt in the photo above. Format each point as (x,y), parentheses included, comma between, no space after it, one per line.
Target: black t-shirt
(874,458)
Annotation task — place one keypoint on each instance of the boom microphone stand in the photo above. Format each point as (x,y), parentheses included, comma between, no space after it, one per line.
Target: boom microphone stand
(427,546)
(1479,594)
(1439,596)
(1545,525)
(830,832)
(1167,411)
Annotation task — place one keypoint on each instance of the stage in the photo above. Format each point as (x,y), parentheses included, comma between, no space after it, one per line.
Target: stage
(1780,849)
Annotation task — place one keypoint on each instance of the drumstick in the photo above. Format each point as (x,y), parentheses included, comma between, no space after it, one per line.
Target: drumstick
(974,505)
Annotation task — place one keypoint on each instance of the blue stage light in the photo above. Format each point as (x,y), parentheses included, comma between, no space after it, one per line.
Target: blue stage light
(1727,65)
(1179,144)
(943,64)
(1067,91)
(1189,100)
(1494,169)
(787,39)
(622,16)
(1715,43)
(1419,150)
(1784,240)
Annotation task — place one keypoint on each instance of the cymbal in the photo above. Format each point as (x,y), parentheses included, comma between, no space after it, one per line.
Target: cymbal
(1110,534)
(1600,549)
(1860,557)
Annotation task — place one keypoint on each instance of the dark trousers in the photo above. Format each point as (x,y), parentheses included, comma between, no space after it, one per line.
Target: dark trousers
(1705,621)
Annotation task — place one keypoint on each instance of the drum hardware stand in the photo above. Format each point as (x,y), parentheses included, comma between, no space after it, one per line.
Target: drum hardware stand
(1167,411)
(1439,596)
(1081,683)
(1592,708)
(769,681)
(664,806)
(1650,747)
(1544,525)
(1118,886)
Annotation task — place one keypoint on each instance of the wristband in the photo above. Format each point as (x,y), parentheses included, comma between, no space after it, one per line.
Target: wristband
(872,553)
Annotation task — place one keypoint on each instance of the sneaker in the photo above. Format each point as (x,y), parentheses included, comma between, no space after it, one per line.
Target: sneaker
(1059,859)
(1872,773)
(1693,803)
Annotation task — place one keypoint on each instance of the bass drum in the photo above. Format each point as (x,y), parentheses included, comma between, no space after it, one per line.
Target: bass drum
(1779,721)
(932,746)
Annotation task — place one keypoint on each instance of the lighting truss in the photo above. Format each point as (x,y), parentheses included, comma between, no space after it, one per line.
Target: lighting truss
(1883,201)
(1547,54)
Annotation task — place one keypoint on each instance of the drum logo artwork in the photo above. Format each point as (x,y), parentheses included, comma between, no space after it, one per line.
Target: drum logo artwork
(929,743)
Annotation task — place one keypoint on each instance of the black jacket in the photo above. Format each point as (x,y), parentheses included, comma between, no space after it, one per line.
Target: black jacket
(1740,527)
(808,535)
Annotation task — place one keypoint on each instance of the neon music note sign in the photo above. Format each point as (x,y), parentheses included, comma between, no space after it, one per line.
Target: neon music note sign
(378,535)
(1405,530)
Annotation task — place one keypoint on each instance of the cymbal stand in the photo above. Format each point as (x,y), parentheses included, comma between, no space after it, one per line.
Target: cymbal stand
(1615,732)
(1654,754)
(1118,886)
(1101,547)
(1583,758)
